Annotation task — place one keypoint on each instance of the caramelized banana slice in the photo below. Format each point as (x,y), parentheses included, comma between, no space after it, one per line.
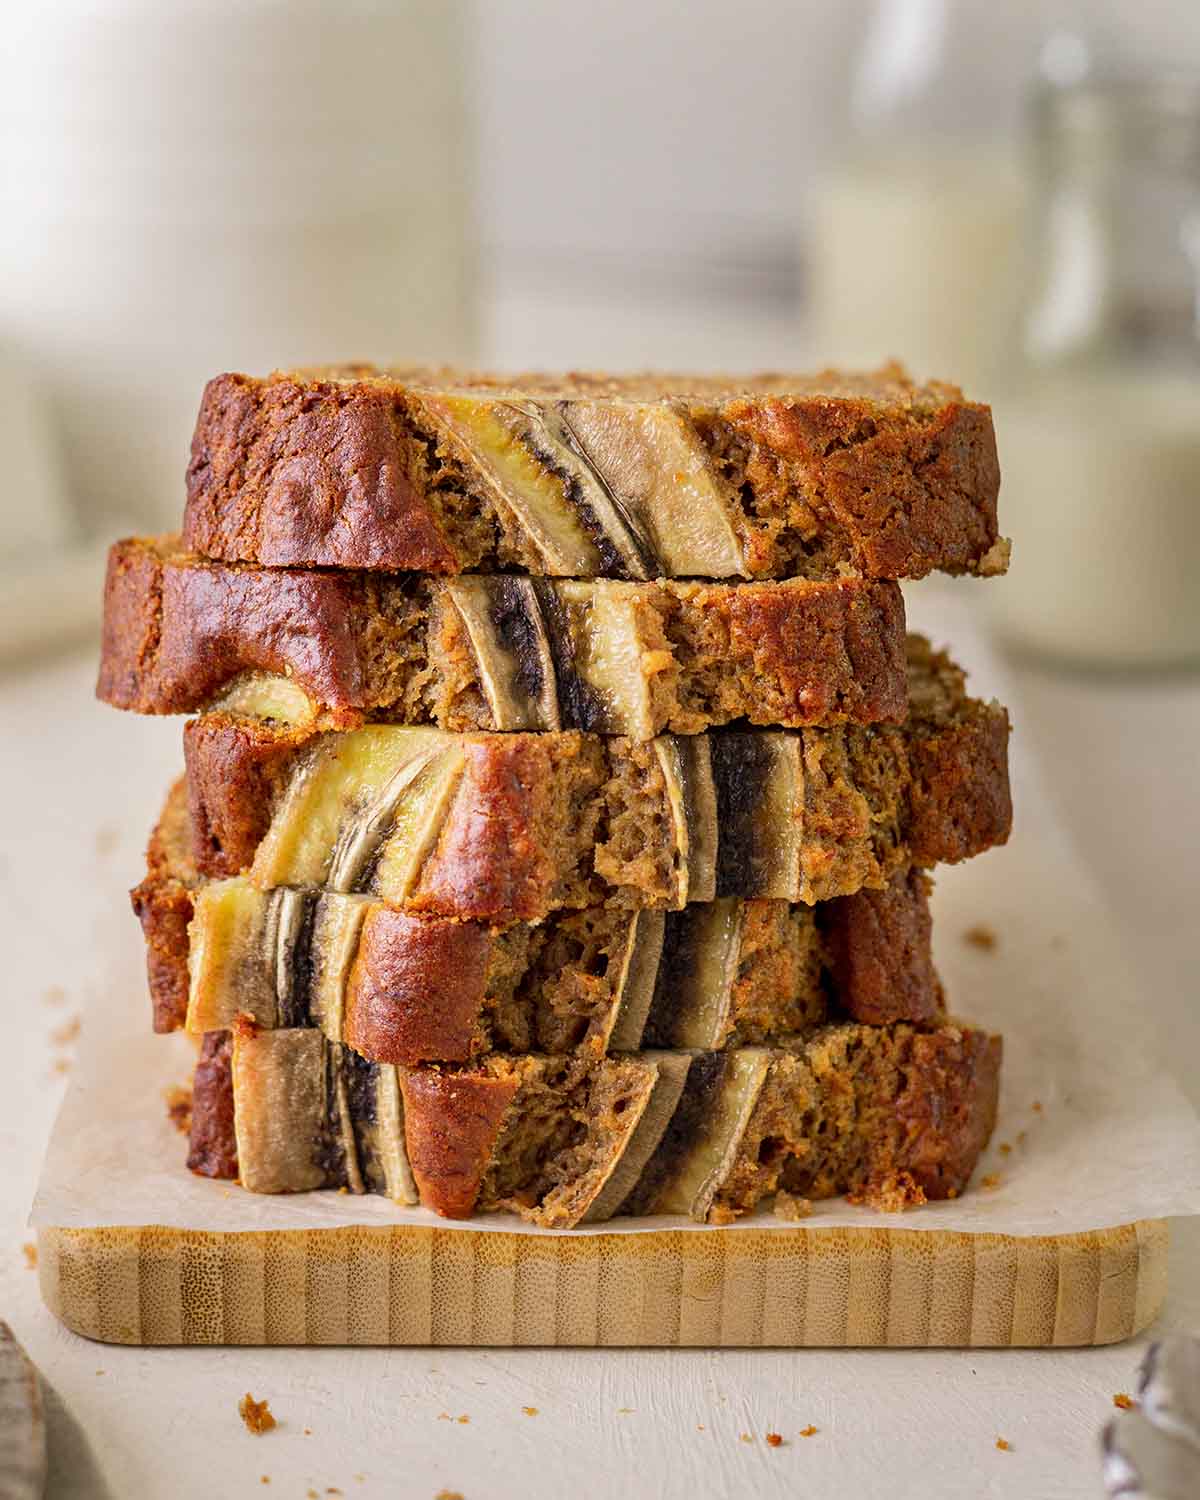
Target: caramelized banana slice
(652,462)
(618,534)
(339,804)
(504,624)
(700,956)
(267,695)
(231,963)
(657,1115)
(700,1146)
(638,966)
(500,438)
(286,1141)
(601,656)
(759,782)
(685,761)
(309,1113)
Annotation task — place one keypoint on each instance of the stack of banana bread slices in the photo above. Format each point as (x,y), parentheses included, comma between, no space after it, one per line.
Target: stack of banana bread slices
(562,784)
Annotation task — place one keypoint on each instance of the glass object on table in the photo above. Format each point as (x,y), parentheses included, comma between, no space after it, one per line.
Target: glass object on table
(1099,425)
(917,233)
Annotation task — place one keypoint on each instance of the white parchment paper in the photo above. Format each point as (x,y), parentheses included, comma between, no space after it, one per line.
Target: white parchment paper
(1095,1135)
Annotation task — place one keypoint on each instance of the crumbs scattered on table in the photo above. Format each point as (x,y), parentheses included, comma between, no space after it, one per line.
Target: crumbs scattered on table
(1125,1401)
(625,1411)
(774,1440)
(332,1489)
(1004,1445)
(809,1431)
(448,1495)
(264,1479)
(1036,1106)
(1004,1148)
(256,1414)
(64,1035)
(311,1495)
(61,1065)
(530,1411)
(746,1437)
(179,1107)
(790,1207)
(991,1181)
(54,994)
(699,1426)
(99,1372)
(981,936)
(29,1251)
(1022,1137)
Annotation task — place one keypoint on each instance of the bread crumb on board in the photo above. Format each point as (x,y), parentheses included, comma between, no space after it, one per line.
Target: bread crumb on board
(29,1251)
(1125,1401)
(448,1495)
(981,936)
(1004,1445)
(809,1431)
(530,1411)
(256,1415)
(774,1440)
(179,1107)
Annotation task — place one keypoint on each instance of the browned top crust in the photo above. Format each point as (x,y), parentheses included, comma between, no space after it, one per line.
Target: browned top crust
(436,470)
(480,653)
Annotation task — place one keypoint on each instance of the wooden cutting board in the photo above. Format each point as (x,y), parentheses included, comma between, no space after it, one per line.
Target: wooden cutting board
(782,1287)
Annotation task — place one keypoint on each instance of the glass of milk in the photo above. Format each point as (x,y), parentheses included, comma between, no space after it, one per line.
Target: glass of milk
(1099,424)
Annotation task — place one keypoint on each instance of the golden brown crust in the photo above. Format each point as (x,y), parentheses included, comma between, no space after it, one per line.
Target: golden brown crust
(212,1143)
(285,471)
(179,630)
(163,905)
(451,1124)
(833,473)
(493,857)
(878,945)
(417,989)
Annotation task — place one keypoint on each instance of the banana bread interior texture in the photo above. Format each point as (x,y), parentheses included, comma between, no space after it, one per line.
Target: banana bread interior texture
(183,633)
(588,475)
(510,827)
(891,1115)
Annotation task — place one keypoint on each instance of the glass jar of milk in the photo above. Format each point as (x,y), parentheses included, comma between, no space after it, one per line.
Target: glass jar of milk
(1099,429)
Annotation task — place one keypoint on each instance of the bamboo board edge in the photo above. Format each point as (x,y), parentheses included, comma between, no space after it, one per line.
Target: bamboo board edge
(801,1287)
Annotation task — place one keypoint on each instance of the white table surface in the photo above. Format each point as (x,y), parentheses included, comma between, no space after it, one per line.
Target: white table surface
(83,785)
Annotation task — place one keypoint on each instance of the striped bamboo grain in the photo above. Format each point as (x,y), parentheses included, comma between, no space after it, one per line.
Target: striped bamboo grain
(782,1287)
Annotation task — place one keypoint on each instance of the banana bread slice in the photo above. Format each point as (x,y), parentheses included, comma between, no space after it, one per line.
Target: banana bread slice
(403,988)
(587,476)
(495,652)
(505,828)
(890,1115)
